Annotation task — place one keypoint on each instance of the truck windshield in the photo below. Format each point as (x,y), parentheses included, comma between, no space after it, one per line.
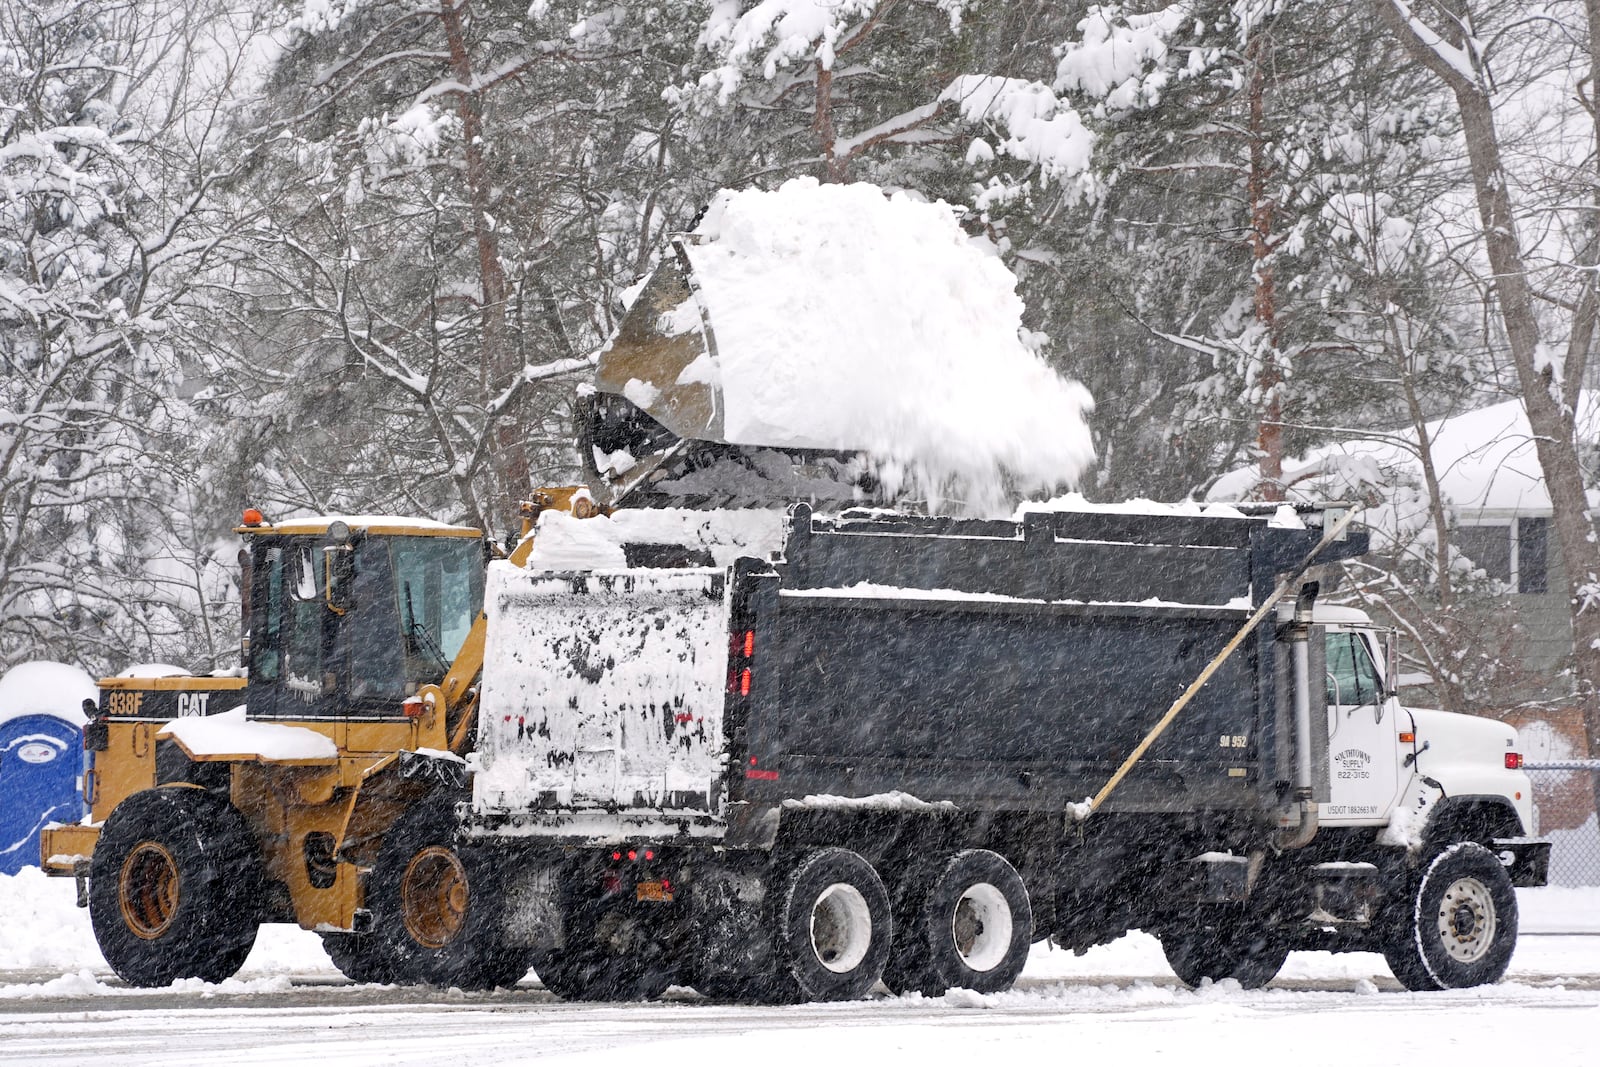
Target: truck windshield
(439,583)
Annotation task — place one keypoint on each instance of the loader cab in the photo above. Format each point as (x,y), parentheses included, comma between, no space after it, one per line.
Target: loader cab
(348,618)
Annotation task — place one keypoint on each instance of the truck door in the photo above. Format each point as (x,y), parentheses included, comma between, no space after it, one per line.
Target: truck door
(1361,734)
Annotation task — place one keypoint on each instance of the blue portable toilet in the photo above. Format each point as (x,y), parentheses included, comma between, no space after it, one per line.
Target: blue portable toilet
(41,755)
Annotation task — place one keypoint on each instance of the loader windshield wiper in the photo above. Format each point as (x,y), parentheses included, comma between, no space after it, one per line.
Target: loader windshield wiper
(418,638)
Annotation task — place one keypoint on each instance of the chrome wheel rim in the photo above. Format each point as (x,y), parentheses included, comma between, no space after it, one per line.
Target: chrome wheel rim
(1466,920)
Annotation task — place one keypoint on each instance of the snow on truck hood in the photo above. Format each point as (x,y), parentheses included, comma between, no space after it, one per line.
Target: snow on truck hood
(833,317)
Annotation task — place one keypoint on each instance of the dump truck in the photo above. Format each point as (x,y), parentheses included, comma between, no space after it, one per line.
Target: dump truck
(905,748)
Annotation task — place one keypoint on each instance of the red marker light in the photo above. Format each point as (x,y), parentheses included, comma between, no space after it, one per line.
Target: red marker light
(616,855)
(649,855)
(744,682)
(749,643)
(1513,761)
(632,855)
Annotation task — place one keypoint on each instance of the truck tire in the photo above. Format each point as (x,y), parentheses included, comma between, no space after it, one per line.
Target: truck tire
(1458,926)
(438,910)
(359,957)
(968,927)
(833,926)
(1224,943)
(175,887)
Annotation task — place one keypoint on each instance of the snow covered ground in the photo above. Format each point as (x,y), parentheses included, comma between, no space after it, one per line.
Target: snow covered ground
(59,1005)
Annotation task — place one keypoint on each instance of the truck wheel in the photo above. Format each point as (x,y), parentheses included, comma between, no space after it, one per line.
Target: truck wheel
(174,888)
(969,927)
(1459,925)
(834,926)
(359,957)
(437,910)
(1227,944)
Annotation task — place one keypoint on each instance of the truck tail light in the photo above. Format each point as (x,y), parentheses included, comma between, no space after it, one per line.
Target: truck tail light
(741,646)
(1513,761)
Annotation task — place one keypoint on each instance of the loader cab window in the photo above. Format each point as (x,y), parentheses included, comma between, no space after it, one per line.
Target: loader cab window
(438,584)
(302,643)
(1352,677)
(267,636)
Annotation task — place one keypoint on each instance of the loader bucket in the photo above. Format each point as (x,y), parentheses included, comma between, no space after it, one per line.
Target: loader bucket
(664,355)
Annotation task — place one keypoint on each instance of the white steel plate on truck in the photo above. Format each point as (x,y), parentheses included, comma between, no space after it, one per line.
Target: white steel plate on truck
(603,692)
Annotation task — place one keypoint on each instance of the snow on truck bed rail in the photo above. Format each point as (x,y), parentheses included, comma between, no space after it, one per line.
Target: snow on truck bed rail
(565,543)
(847,320)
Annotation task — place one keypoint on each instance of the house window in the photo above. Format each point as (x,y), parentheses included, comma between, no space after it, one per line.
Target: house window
(1533,540)
(1515,553)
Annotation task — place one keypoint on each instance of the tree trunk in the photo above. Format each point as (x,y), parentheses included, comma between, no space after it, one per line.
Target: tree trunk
(497,367)
(1269,432)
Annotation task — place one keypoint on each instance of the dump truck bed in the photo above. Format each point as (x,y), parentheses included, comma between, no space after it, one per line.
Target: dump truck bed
(990,665)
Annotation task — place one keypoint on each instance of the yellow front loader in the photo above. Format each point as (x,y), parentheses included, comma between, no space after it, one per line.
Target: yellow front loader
(321,789)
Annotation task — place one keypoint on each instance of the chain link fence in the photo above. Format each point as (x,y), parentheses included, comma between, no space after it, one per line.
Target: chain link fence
(1564,794)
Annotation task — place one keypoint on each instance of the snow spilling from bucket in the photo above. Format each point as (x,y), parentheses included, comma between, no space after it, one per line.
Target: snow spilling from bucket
(847,320)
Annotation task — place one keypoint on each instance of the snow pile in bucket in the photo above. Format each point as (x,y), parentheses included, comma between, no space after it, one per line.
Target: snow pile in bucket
(844,319)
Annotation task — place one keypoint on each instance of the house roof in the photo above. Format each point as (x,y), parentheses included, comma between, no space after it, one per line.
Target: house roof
(1485,460)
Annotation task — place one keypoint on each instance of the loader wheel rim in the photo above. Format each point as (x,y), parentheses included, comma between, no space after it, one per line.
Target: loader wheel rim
(980,927)
(1466,920)
(147,890)
(841,928)
(433,897)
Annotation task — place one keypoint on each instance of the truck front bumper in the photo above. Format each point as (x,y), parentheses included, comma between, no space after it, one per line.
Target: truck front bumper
(1529,861)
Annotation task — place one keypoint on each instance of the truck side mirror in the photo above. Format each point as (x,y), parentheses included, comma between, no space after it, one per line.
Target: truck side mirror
(1391,664)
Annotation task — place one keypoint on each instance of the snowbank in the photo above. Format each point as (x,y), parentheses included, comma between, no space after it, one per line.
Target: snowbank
(42,688)
(847,320)
(47,932)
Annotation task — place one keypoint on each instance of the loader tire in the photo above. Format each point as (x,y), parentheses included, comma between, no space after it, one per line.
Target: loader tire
(1457,925)
(360,957)
(437,909)
(175,888)
(969,926)
(1224,942)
